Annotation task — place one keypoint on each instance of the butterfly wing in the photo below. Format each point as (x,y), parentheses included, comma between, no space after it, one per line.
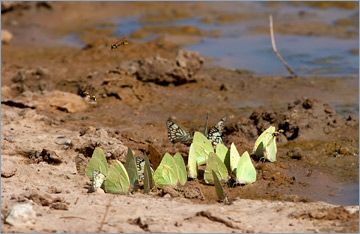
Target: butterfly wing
(215,133)
(155,156)
(176,133)
(97,180)
(140,164)
(80,163)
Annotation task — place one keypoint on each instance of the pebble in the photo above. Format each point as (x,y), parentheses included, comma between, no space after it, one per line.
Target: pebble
(99,191)
(59,206)
(8,172)
(62,140)
(9,138)
(42,72)
(21,214)
(6,36)
(167,196)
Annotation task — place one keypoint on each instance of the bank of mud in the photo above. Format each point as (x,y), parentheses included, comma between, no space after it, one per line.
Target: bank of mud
(138,87)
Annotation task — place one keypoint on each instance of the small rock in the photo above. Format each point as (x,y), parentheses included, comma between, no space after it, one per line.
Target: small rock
(8,173)
(164,72)
(42,72)
(223,87)
(194,193)
(39,198)
(59,206)
(167,196)
(8,168)
(46,4)
(178,224)
(295,153)
(352,209)
(53,189)
(22,214)
(19,77)
(6,36)
(167,190)
(9,138)
(90,131)
(99,191)
(351,118)
(62,140)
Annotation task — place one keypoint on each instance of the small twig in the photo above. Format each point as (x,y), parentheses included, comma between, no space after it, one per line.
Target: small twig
(292,72)
(105,214)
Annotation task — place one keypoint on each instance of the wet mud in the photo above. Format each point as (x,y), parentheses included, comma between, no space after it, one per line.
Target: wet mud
(46,122)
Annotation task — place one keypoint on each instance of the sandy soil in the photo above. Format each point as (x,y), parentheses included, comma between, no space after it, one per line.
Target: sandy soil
(45,123)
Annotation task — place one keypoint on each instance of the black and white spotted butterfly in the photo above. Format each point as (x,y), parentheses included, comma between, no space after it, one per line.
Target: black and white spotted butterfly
(140,164)
(176,133)
(215,133)
(97,180)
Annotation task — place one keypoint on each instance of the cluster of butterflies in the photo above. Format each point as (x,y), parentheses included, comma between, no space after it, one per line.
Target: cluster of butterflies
(98,177)
(222,165)
(177,134)
(137,171)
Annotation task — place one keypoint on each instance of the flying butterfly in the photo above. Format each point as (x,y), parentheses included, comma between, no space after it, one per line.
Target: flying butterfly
(215,133)
(140,164)
(176,133)
(123,41)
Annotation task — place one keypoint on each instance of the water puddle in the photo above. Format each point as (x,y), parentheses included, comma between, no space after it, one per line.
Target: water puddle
(235,48)
(345,194)
(72,40)
(346,110)
(254,52)
(348,194)
(327,188)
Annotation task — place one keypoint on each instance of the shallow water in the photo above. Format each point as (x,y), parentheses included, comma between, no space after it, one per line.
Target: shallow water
(348,195)
(254,52)
(345,194)
(237,49)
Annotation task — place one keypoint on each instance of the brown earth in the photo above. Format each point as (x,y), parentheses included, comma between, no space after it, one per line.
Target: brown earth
(46,123)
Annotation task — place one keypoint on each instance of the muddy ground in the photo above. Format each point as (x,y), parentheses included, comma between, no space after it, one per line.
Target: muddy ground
(45,123)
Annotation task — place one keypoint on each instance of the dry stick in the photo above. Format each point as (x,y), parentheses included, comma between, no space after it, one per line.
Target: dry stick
(106,211)
(292,72)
